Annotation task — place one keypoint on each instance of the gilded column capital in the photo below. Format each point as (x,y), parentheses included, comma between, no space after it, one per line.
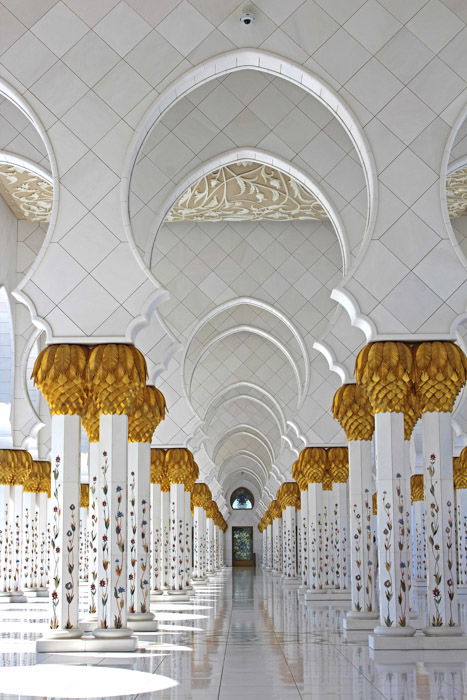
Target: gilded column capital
(384,370)
(45,470)
(158,469)
(59,373)
(440,372)
(23,467)
(211,509)
(411,414)
(192,476)
(116,373)
(275,509)
(7,467)
(84,496)
(90,419)
(298,474)
(201,495)
(352,409)
(39,477)
(33,481)
(459,465)
(148,411)
(417,488)
(179,462)
(338,458)
(288,494)
(313,461)
(326,482)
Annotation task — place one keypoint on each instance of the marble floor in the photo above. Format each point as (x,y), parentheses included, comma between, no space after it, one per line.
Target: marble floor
(242,635)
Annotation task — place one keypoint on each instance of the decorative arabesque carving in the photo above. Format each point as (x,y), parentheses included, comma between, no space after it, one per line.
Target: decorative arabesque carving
(246,191)
(27,194)
(456,191)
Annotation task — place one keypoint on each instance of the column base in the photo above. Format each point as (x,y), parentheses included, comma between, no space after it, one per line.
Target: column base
(359,621)
(112,632)
(454,631)
(36,593)
(13,597)
(336,594)
(62,634)
(177,595)
(156,595)
(87,643)
(200,579)
(142,622)
(379,642)
(291,582)
(321,595)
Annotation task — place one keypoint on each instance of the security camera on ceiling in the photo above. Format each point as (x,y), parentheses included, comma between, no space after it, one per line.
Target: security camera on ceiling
(247,18)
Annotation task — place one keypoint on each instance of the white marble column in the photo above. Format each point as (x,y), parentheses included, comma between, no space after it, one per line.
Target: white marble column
(64,527)
(418,534)
(177,580)
(288,496)
(29,542)
(277,544)
(83,540)
(304,527)
(188,543)
(326,536)
(112,597)
(209,544)
(157,563)
(264,545)
(269,544)
(362,547)
(138,557)
(199,543)
(461,519)
(94,473)
(42,527)
(315,545)
(340,520)
(443,614)
(165,533)
(393,499)
(289,544)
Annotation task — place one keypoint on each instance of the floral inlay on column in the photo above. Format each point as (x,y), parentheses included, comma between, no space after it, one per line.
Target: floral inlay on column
(55,543)
(440,372)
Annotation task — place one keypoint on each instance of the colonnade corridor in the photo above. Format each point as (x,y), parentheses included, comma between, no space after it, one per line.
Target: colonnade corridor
(242,635)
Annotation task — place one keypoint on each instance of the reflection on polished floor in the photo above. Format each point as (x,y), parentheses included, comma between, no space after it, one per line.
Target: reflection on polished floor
(243,635)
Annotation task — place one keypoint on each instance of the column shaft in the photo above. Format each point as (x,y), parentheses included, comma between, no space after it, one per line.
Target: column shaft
(315,573)
(289,543)
(199,543)
(277,545)
(391,487)
(65,502)
(177,537)
(139,465)
(157,563)
(304,537)
(112,598)
(94,473)
(439,520)
(362,549)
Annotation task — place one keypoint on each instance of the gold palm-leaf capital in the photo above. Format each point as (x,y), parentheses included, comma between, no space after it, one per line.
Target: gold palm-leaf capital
(384,370)
(440,372)
(59,373)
